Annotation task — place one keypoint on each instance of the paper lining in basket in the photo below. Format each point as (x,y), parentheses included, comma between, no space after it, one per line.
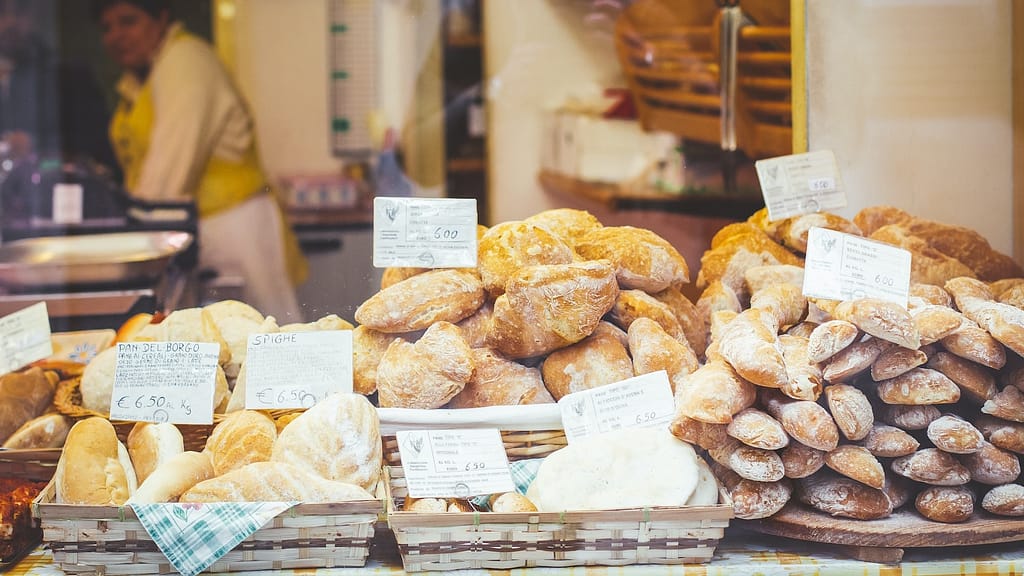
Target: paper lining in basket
(510,418)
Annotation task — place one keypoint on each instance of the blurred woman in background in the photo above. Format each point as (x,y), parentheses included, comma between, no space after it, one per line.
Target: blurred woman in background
(182,131)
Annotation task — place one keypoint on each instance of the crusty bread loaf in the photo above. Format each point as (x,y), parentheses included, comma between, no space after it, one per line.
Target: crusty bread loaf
(872,218)
(476,326)
(97,384)
(716,297)
(896,360)
(498,381)
(752,500)
(851,410)
(967,246)
(654,349)
(418,302)
(393,275)
(908,417)
(758,429)
(242,438)
(597,360)
(945,503)
(927,265)
(730,259)
(752,347)
(974,343)
(992,466)
(853,359)
(643,260)
(1004,322)
(890,442)
(734,229)
(1014,296)
(932,466)
(934,323)
(930,293)
(975,381)
(953,434)
(829,339)
(633,304)
(337,439)
(713,393)
(882,319)
(858,463)
(793,231)
(426,374)
(509,246)
(46,431)
(756,464)
(174,477)
(1008,404)
(696,432)
(545,308)
(801,461)
(187,325)
(235,321)
(1002,433)
(920,386)
(758,277)
(785,302)
(1006,500)
(689,318)
(150,445)
(803,329)
(322,324)
(840,496)
(273,482)
(368,347)
(804,378)
(566,223)
(91,469)
(807,422)
(511,502)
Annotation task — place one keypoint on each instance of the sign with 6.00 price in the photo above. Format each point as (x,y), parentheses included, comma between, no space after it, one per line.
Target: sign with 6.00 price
(843,267)
(165,382)
(424,232)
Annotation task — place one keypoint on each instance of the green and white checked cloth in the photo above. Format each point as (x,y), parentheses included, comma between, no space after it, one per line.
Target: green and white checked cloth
(523,472)
(194,536)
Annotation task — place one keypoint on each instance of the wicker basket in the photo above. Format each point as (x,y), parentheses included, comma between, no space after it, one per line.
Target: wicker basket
(111,540)
(488,540)
(35,466)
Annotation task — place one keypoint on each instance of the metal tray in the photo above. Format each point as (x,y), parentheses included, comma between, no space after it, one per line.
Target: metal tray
(90,259)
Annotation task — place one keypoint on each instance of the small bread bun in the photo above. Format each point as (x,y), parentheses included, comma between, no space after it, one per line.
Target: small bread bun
(241,438)
(1006,500)
(90,470)
(945,503)
(512,502)
(46,431)
(150,445)
(174,477)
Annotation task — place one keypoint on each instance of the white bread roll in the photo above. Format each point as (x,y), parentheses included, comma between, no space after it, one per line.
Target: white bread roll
(174,477)
(627,468)
(98,381)
(273,482)
(240,439)
(236,321)
(91,469)
(150,445)
(187,325)
(46,431)
(338,439)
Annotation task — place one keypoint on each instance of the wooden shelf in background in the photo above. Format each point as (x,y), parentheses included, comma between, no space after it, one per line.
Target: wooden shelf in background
(467,164)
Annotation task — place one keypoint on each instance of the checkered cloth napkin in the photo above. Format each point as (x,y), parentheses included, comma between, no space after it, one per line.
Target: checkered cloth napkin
(194,536)
(523,472)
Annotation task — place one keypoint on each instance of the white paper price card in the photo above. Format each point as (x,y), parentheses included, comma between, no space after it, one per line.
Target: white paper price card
(296,369)
(424,232)
(165,382)
(800,184)
(454,463)
(637,402)
(67,203)
(24,337)
(844,267)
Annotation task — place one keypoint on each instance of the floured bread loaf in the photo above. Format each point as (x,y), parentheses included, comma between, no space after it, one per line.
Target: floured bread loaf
(337,439)
(509,246)
(416,303)
(273,482)
(597,360)
(187,325)
(643,260)
(607,471)
(426,374)
(498,381)
(94,467)
(568,224)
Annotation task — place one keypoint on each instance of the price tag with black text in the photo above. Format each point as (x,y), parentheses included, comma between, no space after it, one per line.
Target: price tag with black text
(642,401)
(296,369)
(165,382)
(454,463)
(800,184)
(424,232)
(845,267)
(24,337)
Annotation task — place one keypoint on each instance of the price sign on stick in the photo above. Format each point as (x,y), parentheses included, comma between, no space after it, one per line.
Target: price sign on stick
(643,401)
(424,232)
(454,463)
(297,369)
(800,184)
(165,382)
(845,267)
(24,337)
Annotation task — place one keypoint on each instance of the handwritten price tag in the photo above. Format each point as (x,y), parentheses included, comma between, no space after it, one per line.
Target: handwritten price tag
(424,232)
(24,337)
(454,463)
(165,382)
(643,401)
(844,267)
(800,184)
(297,369)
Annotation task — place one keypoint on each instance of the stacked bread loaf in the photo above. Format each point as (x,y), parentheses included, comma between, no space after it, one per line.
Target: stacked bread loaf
(858,407)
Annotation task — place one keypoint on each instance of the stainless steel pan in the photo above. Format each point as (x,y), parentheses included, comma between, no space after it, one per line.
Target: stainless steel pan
(118,258)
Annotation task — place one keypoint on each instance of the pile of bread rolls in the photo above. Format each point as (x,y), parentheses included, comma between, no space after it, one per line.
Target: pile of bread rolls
(26,399)
(859,407)
(330,453)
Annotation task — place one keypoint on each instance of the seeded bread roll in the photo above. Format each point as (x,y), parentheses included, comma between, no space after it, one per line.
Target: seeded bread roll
(803,376)
(882,319)
(1002,433)
(800,461)
(752,500)
(890,442)
(654,349)
(851,410)
(908,417)
(509,246)
(633,304)
(840,496)
(643,260)
(945,503)
(830,338)
(920,386)
(992,466)
(426,374)
(752,347)
(418,302)
(932,466)
(975,381)
(896,360)
(757,429)
(853,359)
(713,393)
(934,323)
(974,343)
(1006,500)
(597,360)
(858,463)
(1007,404)
(807,422)
(953,434)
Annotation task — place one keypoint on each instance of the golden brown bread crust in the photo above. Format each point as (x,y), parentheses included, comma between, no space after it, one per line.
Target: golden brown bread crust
(1004,322)
(752,347)
(417,302)
(46,431)
(991,465)
(476,326)
(927,265)
(696,432)
(857,463)
(566,223)
(89,471)
(853,359)
(830,338)
(784,302)
(934,323)
(896,360)
(803,376)
(1008,404)
(908,417)
(752,500)
(716,297)
(851,410)
(974,343)
(932,466)
(793,231)
(733,229)
(1014,295)
(840,496)
(945,503)
(689,318)
(967,246)
(874,217)
(713,393)
(882,319)
(1002,433)
(498,381)
(805,421)
(801,461)
(758,430)
(974,380)
(368,347)
(545,308)
(394,275)
(597,360)
(654,349)
(758,277)
(931,294)
(803,329)
(426,374)
(643,260)
(755,464)
(953,434)
(887,441)
(1006,500)
(24,396)
(240,439)
(509,246)
(920,386)
(633,304)
(730,260)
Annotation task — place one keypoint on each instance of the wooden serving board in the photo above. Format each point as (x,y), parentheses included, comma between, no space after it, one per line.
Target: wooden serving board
(884,540)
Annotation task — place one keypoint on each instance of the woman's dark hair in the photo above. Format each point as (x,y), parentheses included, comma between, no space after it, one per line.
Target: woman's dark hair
(154,8)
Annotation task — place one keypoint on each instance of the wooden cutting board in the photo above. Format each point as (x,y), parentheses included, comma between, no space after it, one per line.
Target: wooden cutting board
(884,540)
